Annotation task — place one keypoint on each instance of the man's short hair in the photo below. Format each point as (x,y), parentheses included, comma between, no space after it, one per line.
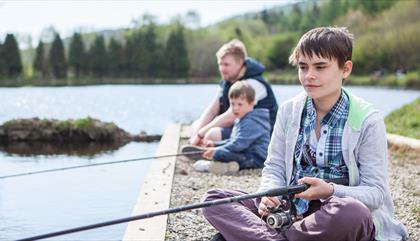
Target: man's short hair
(235,48)
(242,89)
(326,42)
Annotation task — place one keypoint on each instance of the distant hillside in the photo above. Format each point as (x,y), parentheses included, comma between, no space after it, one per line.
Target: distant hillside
(385,35)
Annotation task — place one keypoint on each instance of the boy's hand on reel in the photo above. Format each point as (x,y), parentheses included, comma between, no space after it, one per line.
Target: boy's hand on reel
(266,204)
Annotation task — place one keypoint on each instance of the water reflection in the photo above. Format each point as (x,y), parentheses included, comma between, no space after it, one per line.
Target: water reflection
(90,149)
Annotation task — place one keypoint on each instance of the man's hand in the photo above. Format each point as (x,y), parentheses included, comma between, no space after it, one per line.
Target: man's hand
(195,140)
(208,153)
(266,204)
(318,189)
(209,143)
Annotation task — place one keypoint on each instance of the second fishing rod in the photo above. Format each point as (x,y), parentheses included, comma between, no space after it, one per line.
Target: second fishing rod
(190,153)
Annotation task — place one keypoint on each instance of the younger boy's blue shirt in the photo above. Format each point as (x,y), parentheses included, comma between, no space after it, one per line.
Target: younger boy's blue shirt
(321,158)
(250,134)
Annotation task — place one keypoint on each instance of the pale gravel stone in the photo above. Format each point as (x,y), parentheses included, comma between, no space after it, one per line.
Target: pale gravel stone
(189,186)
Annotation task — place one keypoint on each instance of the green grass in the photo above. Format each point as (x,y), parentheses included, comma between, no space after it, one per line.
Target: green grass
(84,123)
(410,81)
(405,121)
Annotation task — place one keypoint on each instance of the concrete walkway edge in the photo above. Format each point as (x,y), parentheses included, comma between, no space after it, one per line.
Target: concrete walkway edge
(403,142)
(155,192)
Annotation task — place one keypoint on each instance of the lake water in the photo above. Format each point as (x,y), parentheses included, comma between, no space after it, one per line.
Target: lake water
(49,202)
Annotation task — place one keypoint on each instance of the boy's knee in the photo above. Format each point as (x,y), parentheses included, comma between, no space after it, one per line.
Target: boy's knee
(213,194)
(350,211)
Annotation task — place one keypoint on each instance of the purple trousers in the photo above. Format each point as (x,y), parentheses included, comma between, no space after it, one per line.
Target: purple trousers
(333,219)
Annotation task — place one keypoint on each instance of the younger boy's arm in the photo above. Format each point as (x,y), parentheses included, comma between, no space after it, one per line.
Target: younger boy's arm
(221,143)
(247,133)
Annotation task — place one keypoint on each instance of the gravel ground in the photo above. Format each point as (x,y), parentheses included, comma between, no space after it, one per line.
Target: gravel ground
(189,186)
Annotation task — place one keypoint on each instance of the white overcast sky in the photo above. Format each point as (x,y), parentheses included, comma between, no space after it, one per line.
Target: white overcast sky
(30,17)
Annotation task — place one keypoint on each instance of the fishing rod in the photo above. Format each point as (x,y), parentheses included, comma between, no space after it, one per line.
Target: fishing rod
(288,190)
(100,164)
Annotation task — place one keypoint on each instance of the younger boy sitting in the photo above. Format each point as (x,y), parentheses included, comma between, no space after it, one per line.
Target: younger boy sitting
(247,146)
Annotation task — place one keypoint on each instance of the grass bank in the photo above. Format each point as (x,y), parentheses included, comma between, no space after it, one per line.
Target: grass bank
(410,80)
(405,121)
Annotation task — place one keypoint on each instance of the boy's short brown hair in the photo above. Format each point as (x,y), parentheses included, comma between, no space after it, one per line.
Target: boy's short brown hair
(326,42)
(242,89)
(235,48)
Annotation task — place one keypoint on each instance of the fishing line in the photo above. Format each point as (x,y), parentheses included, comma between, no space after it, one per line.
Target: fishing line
(98,164)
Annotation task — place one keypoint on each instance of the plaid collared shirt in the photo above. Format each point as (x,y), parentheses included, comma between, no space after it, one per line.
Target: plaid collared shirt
(321,158)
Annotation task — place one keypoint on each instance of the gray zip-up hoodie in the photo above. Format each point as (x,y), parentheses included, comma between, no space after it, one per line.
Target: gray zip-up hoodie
(364,150)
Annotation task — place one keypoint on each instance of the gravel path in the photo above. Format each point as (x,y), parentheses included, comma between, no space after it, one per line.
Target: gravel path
(189,186)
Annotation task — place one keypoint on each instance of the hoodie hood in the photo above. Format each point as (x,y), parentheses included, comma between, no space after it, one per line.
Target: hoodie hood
(253,68)
(259,116)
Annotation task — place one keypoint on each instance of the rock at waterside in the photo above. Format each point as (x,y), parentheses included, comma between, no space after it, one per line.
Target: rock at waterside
(68,131)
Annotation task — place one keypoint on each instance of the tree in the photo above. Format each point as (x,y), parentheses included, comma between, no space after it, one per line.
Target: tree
(309,18)
(135,52)
(373,7)
(329,12)
(176,56)
(77,55)
(152,56)
(57,58)
(281,49)
(116,56)
(11,56)
(40,63)
(295,18)
(98,61)
(2,63)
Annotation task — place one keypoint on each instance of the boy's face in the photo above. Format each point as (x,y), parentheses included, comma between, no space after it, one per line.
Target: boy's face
(240,106)
(321,77)
(229,67)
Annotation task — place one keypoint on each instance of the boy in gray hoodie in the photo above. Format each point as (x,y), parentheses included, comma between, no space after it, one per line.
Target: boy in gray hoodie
(247,146)
(329,139)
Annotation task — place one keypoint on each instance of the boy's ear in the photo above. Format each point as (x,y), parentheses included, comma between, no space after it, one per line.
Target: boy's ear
(348,66)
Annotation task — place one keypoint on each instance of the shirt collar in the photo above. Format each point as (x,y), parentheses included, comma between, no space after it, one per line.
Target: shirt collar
(331,118)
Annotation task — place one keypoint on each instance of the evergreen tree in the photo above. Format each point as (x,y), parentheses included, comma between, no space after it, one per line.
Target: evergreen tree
(77,55)
(176,56)
(116,65)
(57,58)
(373,7)
(295,18)
(329,12)
(11,56)
(280,51)
(309,18)
(152,55)
(136,52)
(40,63)
(98,61)
(2,63)
(129,57)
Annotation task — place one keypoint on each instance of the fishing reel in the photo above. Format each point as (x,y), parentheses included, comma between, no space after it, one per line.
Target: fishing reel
(283,216)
